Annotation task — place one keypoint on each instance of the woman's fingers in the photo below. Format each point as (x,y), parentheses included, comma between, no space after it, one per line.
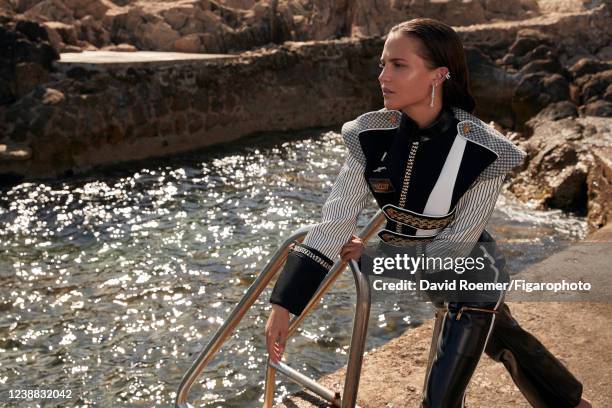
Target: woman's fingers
(275,346)
(279,347)
(353,243)
(347,253)
(353,249)
(276,333)
(346,248)
(270,339)
(276,336)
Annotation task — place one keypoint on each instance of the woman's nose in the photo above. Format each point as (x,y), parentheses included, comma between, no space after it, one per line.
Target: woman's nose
(383,76)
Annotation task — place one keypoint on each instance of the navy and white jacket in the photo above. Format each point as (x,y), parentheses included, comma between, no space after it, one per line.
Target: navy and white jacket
(437,185)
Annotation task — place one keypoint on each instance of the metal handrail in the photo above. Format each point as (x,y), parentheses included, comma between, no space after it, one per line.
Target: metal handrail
(360,321)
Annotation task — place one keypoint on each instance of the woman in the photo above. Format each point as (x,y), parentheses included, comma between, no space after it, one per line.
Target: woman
(436,171)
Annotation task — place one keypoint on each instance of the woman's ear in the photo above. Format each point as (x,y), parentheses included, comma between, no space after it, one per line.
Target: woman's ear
(442,74)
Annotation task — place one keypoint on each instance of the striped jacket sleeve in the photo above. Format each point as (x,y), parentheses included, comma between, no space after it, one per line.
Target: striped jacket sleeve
(341,210)
(473,211)
(309,262)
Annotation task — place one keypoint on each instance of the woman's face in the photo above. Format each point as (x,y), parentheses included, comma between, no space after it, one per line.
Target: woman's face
(404,79)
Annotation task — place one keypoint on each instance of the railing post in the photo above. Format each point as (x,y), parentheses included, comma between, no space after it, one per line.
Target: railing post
(270,385)
(358,337)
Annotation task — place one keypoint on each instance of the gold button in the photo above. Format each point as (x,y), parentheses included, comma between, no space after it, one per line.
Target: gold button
(466,128)
(393,120)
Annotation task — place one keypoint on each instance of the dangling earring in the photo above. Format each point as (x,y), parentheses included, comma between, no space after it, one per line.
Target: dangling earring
(433,95)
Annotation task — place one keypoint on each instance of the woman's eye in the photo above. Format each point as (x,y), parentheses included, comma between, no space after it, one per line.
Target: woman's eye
(395,64)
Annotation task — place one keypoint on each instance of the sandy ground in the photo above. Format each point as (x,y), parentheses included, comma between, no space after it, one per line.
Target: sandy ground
(577,333)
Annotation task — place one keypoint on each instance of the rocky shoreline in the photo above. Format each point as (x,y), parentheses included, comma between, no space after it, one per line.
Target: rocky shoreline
(545,81)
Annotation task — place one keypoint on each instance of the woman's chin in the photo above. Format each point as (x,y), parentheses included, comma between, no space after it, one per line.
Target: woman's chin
(390,105)
(393,104)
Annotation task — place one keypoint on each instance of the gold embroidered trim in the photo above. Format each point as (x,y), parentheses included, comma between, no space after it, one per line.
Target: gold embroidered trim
(391,238)
(407,174)
(416,221)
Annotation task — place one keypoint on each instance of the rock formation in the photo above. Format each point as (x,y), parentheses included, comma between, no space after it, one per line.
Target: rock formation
(569,164)
(220,26)
(26,58)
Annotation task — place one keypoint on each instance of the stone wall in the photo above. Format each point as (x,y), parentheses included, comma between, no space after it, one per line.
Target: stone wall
(94,115)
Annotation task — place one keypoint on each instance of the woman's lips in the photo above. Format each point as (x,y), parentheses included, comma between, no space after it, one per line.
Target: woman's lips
(386,92)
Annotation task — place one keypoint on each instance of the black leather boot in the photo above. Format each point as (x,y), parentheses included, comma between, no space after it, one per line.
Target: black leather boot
(466,329)
(461,343)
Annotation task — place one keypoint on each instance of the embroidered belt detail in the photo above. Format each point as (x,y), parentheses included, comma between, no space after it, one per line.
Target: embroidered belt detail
(395,238)
(309,253)
(416,220)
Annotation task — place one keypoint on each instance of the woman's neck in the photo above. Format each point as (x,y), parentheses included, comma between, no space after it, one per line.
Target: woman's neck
(424,116)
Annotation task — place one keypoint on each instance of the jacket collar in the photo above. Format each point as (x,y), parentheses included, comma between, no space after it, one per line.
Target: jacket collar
(389,119)
(440,125)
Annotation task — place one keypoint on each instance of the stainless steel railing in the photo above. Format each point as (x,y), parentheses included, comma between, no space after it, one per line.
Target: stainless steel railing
(358,337)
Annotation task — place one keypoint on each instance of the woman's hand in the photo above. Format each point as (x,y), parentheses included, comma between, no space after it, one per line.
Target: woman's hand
(353,249)
(276,332)
(277,325)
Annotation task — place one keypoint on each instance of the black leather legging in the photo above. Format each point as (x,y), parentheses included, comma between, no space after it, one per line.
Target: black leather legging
(459,347)
(466,334)
(543,380)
